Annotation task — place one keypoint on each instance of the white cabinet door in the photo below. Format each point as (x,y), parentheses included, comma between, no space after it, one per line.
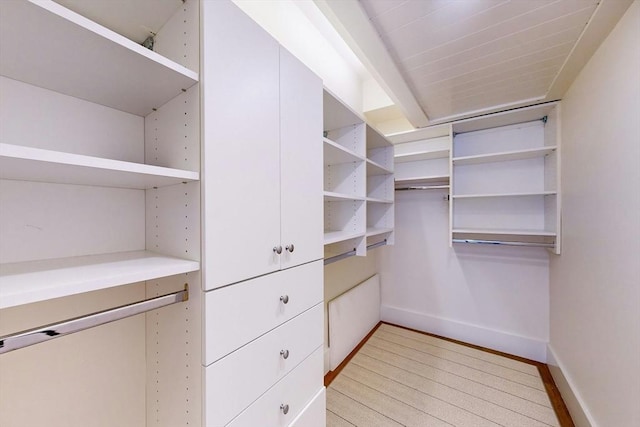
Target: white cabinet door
(301,162)
(241,154)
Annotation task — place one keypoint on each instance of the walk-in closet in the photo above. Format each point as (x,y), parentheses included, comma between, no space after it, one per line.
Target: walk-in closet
(319,213)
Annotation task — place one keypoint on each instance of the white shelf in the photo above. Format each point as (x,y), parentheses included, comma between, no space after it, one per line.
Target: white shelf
(375,139)
(376,200)
(28,282)
(424,180)
(339,197)
(35,164)
(375,231)
(421,155)
(84,59)
(472,196)
(504,156)
(335,154)
(374,168)
(331,237)
(512,232)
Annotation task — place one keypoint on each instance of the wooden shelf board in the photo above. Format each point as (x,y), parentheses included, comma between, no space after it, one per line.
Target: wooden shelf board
(336,114)
(28,282)
(511,232)
(375,139)
(335,154)
(504,156)
(339,197)
(472,196)
(421,155)
(35,164)
(331,237)
(374,168)
(377,200)
(85,60)
(375,231)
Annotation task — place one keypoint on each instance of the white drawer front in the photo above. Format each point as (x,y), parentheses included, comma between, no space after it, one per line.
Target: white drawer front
(315,414)
(240,313)
(238,379)
(295,390)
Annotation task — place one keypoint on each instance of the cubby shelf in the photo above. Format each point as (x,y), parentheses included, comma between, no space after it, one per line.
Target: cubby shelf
(335,154)
(339,197)
(33,281)
(84,59)
(421,155)
(424,180)
(504,156)
(527,194)
(35,164)
(374,168)
(331,237)
(377,200)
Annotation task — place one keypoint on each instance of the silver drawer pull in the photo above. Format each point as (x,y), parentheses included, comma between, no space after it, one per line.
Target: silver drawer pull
(284,408)
(277,249)
(284,299)
(289,248)
(284,354)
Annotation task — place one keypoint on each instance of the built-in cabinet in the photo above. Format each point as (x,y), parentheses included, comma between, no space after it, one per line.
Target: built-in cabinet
(358,182)
(121,168)
(501,170)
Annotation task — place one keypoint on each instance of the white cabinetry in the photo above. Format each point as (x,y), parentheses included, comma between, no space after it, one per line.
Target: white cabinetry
(358,182)
(261,137)
(505,179)
(99,207)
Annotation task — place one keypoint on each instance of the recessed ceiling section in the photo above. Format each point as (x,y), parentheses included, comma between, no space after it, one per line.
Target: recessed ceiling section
(462,57)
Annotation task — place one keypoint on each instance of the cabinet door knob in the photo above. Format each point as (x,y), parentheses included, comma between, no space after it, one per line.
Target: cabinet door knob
(284,354)
(290,248)
(277,249)
(284,408)
(284,299)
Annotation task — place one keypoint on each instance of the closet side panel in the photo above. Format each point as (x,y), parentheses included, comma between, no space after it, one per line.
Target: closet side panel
(92,378)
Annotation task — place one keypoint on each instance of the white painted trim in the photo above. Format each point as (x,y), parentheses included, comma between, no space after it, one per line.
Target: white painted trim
(572,399)
(530,348)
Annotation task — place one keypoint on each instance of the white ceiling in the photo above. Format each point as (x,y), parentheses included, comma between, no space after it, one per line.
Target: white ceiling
(459,58)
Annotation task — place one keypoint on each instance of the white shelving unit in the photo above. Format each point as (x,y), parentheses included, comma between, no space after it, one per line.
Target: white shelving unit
(100,196)
(422,158)
(358,181)
(505,178)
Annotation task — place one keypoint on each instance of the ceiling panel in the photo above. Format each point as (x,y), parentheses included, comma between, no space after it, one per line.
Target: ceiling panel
(460,56)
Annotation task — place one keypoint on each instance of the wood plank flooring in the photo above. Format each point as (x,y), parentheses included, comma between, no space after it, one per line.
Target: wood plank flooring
(399,377)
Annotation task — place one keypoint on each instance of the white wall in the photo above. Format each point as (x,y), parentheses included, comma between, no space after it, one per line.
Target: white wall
(595,283)
(495,297)
(301,28)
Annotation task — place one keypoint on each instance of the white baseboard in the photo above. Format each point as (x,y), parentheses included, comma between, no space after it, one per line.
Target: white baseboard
(518,345)
(572,399)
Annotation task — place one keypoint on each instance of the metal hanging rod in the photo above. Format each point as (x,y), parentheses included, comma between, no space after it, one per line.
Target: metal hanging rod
(377,245)
(423,187)
(504,243)
(352,252)
(45,333)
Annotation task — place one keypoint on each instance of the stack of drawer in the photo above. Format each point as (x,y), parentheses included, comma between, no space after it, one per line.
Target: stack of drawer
(264,351)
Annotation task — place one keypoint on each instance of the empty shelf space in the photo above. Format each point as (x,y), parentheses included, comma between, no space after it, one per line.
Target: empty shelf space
(335,154)
(421,155)
(505,232)
(527,194)
(376,231)
(28,282)
(374,168)
(331,237)
(504,156)
(85,60)
(424,180)
(339,197)
(35,164)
